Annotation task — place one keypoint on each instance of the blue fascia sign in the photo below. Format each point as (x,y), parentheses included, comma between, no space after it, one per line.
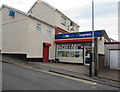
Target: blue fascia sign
(11,13)
(79,35)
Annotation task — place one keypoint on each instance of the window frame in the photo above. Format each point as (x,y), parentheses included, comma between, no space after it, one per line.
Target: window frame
(39,27)
(49,31)
(63,20)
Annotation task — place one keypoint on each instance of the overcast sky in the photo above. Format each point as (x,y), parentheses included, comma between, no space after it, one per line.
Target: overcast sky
(106,12)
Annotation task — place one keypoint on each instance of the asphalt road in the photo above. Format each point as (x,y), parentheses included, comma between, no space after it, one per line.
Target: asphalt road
(15,77)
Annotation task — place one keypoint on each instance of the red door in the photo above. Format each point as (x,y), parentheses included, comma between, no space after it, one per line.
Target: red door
(46,52)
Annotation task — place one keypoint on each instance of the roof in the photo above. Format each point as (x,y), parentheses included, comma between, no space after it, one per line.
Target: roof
(55,9)
(19,11)
(42,2)
(105,35)
(28,15)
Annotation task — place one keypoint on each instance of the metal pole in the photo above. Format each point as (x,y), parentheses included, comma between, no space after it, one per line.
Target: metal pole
(93,38)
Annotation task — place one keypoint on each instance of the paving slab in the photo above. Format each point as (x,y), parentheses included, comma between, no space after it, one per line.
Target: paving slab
(110,74)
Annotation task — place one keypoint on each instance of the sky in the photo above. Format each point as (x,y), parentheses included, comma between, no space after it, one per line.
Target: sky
(80,11)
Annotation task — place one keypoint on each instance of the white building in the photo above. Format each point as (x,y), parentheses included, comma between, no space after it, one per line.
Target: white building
(47,12)
(33,33)
(25,34)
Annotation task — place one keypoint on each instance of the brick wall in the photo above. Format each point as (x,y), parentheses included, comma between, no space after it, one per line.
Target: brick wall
(57,30)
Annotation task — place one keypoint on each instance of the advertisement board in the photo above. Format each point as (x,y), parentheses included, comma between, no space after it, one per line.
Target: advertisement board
(79,35)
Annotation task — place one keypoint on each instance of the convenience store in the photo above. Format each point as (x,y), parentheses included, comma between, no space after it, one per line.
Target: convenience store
(76,47)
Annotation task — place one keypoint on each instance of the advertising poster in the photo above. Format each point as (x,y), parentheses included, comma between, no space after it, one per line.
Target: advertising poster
(70,50)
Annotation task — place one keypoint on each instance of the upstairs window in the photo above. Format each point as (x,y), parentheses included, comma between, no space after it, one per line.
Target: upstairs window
(38,27)
(49,31)
(63,21)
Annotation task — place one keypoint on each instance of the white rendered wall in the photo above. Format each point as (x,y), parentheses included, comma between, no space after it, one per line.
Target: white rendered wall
(14,31)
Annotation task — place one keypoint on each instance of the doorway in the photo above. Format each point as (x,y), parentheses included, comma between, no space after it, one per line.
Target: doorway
(46,52)
(87,50)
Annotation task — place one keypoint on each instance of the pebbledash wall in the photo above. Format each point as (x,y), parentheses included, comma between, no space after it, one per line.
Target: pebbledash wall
(25,34)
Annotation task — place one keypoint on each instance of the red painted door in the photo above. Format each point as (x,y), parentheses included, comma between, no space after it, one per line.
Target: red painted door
(45,53)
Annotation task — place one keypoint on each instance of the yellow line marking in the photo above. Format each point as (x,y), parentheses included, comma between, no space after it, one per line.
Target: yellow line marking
(64,76)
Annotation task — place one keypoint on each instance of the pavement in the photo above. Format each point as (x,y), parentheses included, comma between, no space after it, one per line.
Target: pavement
(106,76)
(110,74)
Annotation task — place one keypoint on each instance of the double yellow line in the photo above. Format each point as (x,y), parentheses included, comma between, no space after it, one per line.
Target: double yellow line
(64,76)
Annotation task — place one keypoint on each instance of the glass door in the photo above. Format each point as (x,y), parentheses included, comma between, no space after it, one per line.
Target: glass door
(88,50)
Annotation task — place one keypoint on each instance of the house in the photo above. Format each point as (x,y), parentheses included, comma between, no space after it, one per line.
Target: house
(47,12)
(23,33)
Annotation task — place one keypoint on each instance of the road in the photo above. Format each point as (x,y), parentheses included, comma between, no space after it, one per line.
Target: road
(17,77)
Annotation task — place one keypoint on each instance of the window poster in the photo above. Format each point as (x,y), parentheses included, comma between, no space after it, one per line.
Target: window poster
(77,54)
(70,54)
(59,54)
(70,50)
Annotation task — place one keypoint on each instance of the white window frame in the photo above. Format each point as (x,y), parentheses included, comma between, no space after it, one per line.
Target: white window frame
(63,21)
(49,31)
(38,27)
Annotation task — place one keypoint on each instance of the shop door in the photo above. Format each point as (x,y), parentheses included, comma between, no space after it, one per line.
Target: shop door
(45,53)
(88,49)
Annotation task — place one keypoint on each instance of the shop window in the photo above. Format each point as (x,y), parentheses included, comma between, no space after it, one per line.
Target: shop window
(49,31)
(69,50)
(38,27)
(63,21)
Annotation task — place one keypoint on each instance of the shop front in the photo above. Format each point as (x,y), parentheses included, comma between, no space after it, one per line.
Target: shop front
(76,47)
(74,52)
